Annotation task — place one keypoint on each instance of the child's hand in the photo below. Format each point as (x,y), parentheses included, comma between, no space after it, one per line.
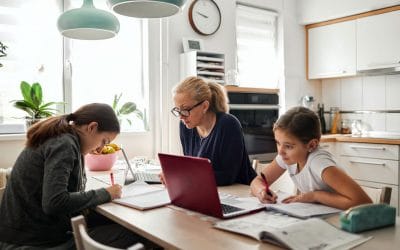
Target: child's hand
(266,198)
(115,191)
(306,198)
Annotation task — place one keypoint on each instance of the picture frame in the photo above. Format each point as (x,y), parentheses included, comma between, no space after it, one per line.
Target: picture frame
(190,44)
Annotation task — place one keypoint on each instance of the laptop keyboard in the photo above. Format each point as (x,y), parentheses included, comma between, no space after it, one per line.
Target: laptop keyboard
(227,209)
(147,177)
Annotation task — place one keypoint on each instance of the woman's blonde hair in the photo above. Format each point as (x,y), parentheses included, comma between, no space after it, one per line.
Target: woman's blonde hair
(200,90)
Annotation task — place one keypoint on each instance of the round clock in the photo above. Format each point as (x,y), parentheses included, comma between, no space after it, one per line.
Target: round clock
(204,17)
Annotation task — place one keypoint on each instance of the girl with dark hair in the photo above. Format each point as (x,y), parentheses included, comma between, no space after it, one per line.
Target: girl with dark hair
(207,130)
(313,170)
(47,183)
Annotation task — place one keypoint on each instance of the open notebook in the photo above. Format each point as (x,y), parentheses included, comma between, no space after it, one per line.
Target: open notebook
(142,196)
(291,232)
(299,209)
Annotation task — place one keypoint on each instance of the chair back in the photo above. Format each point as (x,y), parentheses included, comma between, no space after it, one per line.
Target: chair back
(378,195)
(84,242)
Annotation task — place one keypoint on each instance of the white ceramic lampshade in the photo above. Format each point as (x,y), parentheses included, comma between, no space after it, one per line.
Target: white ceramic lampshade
(88,23)
(146,8)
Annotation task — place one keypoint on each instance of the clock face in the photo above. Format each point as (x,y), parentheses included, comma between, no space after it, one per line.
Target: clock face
(204,16)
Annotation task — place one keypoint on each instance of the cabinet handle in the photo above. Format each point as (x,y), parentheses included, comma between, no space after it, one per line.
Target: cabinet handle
(365,147)
(332,73)
(324,146)
(370,163)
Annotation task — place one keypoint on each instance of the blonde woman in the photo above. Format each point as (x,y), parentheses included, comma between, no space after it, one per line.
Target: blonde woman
(207,130)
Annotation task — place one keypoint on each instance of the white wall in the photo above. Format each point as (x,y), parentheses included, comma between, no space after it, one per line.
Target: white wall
(370,93)
(314,11)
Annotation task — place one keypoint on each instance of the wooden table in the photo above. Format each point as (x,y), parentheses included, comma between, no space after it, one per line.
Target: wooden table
(175,228)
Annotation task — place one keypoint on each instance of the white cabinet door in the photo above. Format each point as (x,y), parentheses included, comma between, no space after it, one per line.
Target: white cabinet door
(332,50)
(378,41)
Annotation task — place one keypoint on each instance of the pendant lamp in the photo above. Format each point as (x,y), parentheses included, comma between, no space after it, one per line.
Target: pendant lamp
(146,8)
(88,23)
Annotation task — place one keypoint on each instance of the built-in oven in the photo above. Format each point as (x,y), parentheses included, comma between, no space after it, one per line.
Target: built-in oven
(257,113)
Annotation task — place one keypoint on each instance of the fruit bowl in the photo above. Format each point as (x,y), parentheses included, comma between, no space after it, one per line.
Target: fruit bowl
(100,162)
(104,161)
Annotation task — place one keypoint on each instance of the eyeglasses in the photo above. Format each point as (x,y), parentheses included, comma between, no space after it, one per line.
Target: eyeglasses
(184,112)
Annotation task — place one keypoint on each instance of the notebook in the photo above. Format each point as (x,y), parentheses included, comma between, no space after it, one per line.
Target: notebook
(143,196)
(292,233)
(191,184)
(148,177)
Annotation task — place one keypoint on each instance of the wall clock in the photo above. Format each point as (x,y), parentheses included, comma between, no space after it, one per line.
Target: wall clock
(204,17)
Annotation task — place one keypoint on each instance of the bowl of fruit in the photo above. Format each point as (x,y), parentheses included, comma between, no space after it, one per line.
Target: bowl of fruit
(103,161)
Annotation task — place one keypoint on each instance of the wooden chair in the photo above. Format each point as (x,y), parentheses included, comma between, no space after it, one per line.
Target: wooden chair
(84,242)
(378,195)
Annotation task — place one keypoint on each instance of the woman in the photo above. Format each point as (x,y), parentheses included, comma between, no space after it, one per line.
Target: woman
(312,169)
(208,131)
(47,184)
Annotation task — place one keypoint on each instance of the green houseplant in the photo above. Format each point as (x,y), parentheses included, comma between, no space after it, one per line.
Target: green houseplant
(33,104)
(123,111)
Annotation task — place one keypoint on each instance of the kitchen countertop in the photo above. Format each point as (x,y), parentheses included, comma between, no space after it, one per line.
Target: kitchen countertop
(362,139)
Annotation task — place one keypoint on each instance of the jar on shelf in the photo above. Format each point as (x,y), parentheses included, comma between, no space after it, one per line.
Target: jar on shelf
(334,119)
(345,127)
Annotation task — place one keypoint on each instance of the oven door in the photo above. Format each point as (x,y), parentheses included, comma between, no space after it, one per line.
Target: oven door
(257,122)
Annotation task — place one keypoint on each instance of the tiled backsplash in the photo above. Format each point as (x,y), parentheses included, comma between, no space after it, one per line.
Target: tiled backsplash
(366,93)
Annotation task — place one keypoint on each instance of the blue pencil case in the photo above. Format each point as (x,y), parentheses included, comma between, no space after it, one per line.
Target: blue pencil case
(366,217)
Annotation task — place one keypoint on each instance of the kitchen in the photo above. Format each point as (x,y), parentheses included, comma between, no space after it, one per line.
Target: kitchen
(372,99)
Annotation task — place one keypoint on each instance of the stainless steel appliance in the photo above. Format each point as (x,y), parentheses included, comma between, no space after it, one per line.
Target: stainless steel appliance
(257,113)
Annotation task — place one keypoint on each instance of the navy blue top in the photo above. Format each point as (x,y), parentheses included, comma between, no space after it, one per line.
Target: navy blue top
(224,146)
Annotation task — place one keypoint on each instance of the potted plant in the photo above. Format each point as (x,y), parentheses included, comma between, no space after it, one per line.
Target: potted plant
(122,111)
(3,53)
(33,103)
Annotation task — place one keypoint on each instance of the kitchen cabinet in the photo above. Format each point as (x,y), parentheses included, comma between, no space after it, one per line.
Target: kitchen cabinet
(378,39)
(208,65)
(332,50)
(373,165)
(329,146)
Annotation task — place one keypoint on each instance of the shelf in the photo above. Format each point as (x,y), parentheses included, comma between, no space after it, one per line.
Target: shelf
(210,59)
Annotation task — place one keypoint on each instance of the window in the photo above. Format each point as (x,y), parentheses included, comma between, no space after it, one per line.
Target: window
(95,71)
(104,68)
(256,34)
(34,53)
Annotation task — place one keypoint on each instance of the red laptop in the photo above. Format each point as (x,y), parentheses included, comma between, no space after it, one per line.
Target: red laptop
(191,184)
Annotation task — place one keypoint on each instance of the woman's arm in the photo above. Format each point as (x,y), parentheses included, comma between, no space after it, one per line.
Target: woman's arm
(272,172)
(347,192)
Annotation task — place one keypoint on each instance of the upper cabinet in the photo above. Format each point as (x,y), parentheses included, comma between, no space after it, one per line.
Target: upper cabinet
(364,43)
(378,41)
(332,50)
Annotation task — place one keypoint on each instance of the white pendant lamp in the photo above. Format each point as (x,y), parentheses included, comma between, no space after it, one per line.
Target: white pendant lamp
(146,8)
(88,23)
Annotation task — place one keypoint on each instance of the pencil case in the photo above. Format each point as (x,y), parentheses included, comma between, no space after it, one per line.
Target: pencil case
(366,217)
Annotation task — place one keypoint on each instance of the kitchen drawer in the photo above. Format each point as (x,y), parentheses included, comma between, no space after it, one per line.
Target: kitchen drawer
(370,150)
(394,197)
(374,170)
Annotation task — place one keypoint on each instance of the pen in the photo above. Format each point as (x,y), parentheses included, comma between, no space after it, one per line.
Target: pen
(112,178)
(266,185)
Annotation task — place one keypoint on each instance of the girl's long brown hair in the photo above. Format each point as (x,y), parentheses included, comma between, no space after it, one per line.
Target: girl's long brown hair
(101,113)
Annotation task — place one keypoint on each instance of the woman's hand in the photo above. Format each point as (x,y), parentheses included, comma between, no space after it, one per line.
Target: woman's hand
(306,198)
(115,191)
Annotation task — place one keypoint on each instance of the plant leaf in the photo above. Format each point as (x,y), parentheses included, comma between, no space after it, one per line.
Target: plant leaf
(127,108)
(36,94)
(26,91)
(139,114)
